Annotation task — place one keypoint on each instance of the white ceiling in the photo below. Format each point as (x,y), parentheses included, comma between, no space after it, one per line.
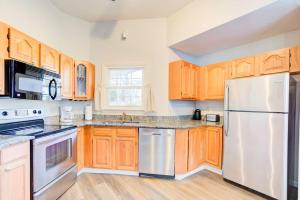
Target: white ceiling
(104,10)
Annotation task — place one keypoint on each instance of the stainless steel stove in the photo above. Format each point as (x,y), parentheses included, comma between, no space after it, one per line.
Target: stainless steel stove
(53,157)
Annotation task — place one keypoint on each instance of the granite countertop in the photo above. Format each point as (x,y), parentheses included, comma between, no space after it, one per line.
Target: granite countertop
(8,140)
(155,124)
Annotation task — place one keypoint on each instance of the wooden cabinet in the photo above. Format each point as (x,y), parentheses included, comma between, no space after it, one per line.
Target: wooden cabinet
(295,59)
(115,148)
(84,76)
(15,172)
(3,55)
(214,146)
(200,85)
(197,144)
(49,58)
(242,67)
(181,151)
(274,61)
(67,76)
(126,149)
(215,76)
(23,48)
(182,80)
(80,148)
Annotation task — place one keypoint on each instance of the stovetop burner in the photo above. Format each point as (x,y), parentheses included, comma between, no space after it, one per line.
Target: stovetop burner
(34,128)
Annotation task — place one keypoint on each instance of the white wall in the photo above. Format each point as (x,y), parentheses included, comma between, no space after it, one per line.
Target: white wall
(41,20)
(202,15)
(146,44)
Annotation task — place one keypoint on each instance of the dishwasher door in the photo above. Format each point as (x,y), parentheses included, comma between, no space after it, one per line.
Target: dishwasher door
(157,152)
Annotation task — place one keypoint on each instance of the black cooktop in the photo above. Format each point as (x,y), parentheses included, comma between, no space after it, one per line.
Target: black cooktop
(35,128)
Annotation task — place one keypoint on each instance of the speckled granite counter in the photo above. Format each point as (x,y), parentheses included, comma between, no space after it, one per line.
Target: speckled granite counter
(156,124)
(8,140)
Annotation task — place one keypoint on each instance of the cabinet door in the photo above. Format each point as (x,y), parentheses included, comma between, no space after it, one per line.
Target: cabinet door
(126,153)
(3,55)
(81,80)
(214,141)
(181,151)
(23,47)
(80,148)
(196,147)
(67,76)
(242,67)
(90,81)
(275,61)
(215,76)
(49,58)
(200,83)
(295,59)
(185,80)
(193,81)
(103,152)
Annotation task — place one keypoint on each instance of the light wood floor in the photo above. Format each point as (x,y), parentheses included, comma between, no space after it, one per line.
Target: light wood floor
(203,186)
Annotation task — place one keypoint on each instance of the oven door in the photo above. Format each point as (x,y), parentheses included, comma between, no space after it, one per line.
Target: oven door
(52,156)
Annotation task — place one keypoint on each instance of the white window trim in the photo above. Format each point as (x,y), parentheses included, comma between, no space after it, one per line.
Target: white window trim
(104,81)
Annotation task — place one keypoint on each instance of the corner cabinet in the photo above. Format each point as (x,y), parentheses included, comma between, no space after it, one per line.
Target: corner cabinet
(67,76)
(182,81)
(23,48)
(15,172)
(3,55)
(84,78)
(215,76)
(49,58)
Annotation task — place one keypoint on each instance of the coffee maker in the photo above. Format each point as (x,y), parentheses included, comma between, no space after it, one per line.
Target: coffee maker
(66,114)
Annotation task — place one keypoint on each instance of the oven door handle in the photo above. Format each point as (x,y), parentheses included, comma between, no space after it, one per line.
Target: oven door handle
(54,137)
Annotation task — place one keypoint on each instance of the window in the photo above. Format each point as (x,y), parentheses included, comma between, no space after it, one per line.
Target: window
(124,87)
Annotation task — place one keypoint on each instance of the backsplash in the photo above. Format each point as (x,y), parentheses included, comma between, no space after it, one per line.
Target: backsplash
(211,107)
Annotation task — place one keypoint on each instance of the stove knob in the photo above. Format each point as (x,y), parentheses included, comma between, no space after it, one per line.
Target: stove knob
(34,111)
(39,112)
(4,113)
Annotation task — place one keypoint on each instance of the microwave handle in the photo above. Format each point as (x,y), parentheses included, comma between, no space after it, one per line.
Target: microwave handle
(53,96)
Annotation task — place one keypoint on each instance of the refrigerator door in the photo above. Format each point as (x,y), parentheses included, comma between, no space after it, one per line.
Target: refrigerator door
(268,93)
(255,151)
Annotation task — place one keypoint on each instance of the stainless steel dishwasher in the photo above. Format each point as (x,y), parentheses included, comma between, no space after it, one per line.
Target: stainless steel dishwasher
(157,152)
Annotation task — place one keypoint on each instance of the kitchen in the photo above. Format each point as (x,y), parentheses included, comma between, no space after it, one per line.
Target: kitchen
(106,104)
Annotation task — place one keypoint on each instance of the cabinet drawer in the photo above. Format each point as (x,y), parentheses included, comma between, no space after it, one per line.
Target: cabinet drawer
(14,152)
(104,131)
(127,132)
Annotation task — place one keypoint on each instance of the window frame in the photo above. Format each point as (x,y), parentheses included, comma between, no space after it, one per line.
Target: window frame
(105,80)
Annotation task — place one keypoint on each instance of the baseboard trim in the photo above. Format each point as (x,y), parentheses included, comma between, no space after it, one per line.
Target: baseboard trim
(107,171)
(200,168)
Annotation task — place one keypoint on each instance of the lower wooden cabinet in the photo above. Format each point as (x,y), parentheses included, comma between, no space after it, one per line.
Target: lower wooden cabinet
(115,148)
(196,146)
(15,172)
(214,144)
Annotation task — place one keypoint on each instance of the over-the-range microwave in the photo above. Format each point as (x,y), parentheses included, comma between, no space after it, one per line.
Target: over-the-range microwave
(23,81)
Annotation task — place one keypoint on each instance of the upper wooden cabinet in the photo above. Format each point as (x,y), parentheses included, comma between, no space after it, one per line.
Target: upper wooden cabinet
(67,76)
(214,146)
(3,55)
(15,172)
(215,76)
(84,77)
(182,80)
(200,83)
(274,61)
(49,58)
(23,48)
(242,67)
(295,59)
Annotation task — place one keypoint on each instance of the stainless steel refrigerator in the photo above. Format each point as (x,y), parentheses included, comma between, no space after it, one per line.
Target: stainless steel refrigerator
(256,133)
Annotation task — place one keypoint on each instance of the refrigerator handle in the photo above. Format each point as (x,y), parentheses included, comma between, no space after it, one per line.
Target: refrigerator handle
(227,109)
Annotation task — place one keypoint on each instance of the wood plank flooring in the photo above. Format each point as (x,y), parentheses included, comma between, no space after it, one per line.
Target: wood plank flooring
(204,185)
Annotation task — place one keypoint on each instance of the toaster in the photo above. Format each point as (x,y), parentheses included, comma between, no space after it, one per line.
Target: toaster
(212,118)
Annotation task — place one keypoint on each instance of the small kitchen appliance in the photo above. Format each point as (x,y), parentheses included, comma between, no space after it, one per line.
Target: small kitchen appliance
(88,112)
(212,118)
(197,115)
(66,115)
